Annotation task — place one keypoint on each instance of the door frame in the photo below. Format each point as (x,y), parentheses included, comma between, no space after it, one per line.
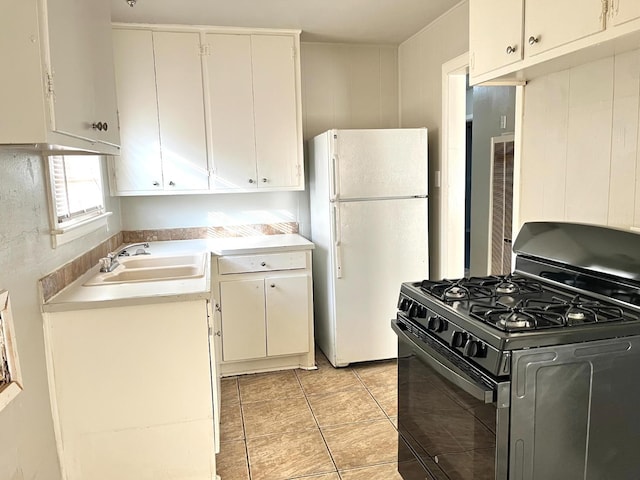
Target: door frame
(452,181)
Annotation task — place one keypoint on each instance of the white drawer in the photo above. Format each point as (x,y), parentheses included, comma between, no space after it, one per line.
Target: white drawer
(262,263)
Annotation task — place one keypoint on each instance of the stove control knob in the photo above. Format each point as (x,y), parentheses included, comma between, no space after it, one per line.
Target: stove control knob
(413,310)
(459,339)
(436,324)
(422,312)
(472,348)
(404,304)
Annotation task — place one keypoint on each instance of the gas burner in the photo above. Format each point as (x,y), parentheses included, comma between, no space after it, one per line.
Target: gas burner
(506,288)
(512,284)
(516,319)
(462,289)
(456,293)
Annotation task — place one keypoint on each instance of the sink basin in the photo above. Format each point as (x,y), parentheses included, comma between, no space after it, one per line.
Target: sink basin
(151,269)
(148,261)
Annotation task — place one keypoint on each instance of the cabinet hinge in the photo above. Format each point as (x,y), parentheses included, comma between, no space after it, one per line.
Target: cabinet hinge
(205,49)
(293,51)
(299,170)
(605,11)
(49,81)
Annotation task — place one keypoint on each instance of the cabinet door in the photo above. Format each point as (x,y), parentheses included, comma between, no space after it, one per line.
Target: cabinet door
(278,143)
(71,26)
(103,74)
(623,11)
(243,314)
(495,34)
(181,110)
(546,24)
(231,110)
(287,301)
(139,167)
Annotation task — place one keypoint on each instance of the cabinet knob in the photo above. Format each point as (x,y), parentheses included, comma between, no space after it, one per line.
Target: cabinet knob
(251,180)
(263,264)
(533,40)
(156,184)
(273,285)
(105,126)
(172,184)
(511,49)
(264,180)
(98,126)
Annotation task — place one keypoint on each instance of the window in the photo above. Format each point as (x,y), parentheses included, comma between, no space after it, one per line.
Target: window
(77,198)
(10,376)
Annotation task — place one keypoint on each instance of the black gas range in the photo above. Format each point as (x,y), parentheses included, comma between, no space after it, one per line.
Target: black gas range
(488,363)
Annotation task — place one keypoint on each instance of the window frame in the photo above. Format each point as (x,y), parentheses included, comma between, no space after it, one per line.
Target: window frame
(11,390)
(66,230)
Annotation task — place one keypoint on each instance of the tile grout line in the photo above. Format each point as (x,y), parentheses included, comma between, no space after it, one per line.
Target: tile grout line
(244,431)
(376,400)
(315,419)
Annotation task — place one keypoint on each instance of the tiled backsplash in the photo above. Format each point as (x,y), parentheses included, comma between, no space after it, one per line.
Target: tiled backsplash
(68,273)
(209,232)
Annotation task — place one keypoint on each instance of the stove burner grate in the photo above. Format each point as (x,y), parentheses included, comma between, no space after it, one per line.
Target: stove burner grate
(457,290)
(475,288)
(578,311)
(517,318)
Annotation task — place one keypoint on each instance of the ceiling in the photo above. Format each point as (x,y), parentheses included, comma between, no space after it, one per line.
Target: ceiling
(339,21)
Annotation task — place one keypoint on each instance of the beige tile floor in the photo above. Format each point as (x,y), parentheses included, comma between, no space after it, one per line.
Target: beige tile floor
(325,424)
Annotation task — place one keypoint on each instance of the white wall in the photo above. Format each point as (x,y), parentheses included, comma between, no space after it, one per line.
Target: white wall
(580,158)
(343,86)
(348,86)
(27,444)
(420,65)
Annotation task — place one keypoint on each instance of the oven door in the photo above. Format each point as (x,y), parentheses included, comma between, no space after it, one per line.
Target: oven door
(454,420)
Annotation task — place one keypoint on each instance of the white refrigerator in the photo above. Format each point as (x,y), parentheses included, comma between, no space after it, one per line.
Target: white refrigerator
(369,216)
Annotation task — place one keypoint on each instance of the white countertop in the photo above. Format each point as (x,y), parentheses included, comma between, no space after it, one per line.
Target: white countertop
(77,296)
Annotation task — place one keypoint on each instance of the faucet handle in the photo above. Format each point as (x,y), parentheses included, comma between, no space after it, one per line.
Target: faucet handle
(105,263)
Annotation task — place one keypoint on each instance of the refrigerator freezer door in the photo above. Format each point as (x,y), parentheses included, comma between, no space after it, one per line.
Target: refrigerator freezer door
(381,163)
(380,244)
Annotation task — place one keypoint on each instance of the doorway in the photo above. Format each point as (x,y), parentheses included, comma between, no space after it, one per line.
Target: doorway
(466,215)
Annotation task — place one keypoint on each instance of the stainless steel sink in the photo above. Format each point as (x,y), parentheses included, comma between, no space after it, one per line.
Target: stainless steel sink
(152,269)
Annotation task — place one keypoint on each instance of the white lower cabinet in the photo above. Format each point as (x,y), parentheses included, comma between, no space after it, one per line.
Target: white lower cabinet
(132,392)
(265,308)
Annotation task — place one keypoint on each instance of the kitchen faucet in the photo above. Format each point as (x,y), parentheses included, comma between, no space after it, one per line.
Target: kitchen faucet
(110,262)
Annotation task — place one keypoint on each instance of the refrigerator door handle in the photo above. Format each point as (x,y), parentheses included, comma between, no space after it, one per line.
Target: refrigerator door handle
(334,178)
(336,236)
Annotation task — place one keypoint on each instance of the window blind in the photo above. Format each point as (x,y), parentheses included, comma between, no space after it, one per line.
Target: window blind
(77,186)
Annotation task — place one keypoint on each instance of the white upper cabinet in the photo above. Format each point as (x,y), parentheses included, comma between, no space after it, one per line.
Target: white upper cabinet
(207,109)
(139,167)
(230,86)
(253,86)
(552,23)
(276,103)
(495,34)
(161,107)
(61,91)
(550,35)
(181,110)
(622,11)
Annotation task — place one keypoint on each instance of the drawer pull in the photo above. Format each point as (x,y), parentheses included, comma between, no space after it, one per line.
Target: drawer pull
(263,264)
(273,285)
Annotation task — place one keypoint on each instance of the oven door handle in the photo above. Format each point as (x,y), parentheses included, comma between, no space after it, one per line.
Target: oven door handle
(447,370)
